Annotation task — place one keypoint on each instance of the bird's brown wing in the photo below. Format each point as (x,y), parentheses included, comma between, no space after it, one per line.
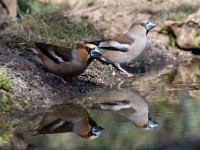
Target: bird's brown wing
(56,126)
(54,52)
(108,45)
(63,52)
(118,44)
(124,39)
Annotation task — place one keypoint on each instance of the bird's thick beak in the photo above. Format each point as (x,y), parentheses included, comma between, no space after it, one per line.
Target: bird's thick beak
(150,25)
(152,124)
(97,131)
(95,52)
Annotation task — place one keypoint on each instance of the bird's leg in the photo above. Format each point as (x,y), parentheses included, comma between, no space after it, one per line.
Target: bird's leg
(118,66)
(119,85)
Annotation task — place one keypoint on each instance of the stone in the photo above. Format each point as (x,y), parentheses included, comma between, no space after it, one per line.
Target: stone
(187,33)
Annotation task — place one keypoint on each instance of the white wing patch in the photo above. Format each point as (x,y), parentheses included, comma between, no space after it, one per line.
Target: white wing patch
(60,123)
(115,107)
(34,51)
(114,44)
(58,58)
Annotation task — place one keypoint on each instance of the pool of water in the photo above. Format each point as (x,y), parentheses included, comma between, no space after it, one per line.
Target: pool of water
(161,113)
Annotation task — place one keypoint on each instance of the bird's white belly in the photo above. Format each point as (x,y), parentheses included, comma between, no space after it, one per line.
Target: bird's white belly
(120,59)
(125,59)
(133,52)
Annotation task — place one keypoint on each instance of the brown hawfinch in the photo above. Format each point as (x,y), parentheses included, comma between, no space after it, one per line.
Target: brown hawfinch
(70,118)
(65,62)
(128,104)
(126,47)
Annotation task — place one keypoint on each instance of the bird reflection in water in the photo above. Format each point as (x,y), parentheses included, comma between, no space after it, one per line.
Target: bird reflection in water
(128,104)
(70,118)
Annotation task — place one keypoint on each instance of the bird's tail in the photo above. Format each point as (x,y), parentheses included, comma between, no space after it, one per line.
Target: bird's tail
(31,46)
(28,45)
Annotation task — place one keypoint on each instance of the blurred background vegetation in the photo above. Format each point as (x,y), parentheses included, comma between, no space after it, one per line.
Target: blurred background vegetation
(33,6)
(48,22)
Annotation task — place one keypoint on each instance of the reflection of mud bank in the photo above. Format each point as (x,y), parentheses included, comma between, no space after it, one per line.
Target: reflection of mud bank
(182,144)
(184,75)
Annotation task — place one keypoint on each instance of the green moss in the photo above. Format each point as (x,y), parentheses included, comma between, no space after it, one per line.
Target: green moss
(197,71)
(197,39)
(9,99)
(169,77)
(168,31)
(5,132)
(5,81)
(23,102)
(196,67)
(25,6)
(32,6)
(6,92)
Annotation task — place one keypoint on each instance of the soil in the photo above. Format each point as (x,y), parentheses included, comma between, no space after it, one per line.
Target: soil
(32,79)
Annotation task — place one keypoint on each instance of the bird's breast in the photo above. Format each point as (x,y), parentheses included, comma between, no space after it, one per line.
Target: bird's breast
(125,57)
(65,69)
(117,57)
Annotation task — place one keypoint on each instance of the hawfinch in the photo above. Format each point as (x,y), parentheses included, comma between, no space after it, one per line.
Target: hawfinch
(127,47)
(70,118)
(128,104)
(65,62)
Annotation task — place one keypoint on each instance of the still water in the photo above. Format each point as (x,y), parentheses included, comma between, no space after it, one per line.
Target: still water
(160,113)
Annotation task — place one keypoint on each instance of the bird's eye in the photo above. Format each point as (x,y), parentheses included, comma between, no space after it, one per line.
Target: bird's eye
(143,24)
(88,49)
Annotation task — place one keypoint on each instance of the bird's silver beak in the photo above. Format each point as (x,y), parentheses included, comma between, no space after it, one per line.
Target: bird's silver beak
(95,52)
(97,131)
(152,124)
(150,25)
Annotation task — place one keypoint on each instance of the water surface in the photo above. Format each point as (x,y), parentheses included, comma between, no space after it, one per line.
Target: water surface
(160,113)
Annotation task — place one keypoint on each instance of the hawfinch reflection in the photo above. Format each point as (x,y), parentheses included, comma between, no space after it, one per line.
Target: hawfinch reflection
(128,104)
(65,62)
(70,118)
(127,47)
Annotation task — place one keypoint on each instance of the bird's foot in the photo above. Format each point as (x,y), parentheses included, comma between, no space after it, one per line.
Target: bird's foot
(126,73)
(122,71)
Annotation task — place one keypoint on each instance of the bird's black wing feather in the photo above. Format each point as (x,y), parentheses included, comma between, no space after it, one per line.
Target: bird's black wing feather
(44,48)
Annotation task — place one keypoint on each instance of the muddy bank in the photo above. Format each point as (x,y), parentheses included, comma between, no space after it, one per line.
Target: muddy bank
(32,79)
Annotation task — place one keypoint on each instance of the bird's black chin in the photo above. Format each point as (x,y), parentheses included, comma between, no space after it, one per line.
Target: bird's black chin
(90,60)
(147,32)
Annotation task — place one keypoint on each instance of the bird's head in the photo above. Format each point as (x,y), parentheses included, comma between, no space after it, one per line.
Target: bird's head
(93,50)
(94,130)
(89,52)
(142,27)
(150,124)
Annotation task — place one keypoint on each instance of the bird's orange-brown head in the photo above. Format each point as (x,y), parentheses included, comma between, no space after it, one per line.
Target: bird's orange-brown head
(88,129)
(87,52)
